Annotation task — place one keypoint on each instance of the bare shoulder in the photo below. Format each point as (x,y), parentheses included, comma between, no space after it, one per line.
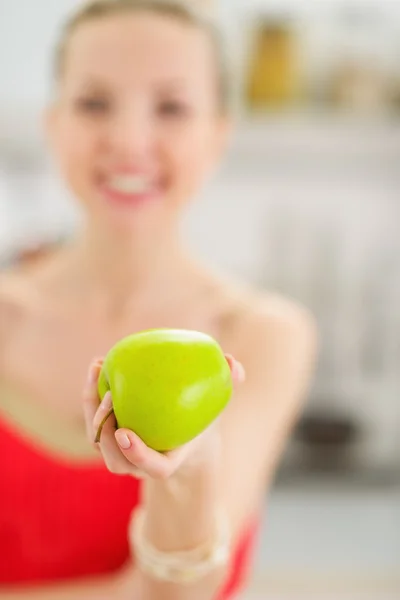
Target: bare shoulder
(21,286)
(10,307)
(274,336)
(252,317)
(12,296)
(11,293)
(17,294)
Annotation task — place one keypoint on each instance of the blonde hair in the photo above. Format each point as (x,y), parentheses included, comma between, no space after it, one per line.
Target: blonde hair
(175,9)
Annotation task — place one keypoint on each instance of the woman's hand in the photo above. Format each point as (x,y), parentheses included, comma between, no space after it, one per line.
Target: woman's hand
(124,452)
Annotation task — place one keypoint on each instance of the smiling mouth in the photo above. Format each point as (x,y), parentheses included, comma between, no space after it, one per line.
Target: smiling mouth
(130,184)
(130,188)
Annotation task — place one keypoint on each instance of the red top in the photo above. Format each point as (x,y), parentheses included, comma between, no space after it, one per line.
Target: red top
(61,520)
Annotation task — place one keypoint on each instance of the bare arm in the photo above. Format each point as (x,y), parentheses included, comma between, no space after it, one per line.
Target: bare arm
(278,353)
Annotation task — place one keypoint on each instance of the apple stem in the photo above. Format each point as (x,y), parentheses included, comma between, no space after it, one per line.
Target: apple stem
(100,429)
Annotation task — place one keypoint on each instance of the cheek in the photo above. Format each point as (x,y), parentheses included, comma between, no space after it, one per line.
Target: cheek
(193,155)
(74,147)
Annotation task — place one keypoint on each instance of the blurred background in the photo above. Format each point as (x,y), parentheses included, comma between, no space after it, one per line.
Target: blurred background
(306,203)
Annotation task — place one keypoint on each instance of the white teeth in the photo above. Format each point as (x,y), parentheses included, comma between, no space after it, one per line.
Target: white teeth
(130,184)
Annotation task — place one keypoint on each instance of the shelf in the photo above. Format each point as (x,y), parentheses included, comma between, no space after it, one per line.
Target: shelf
(329,132)
(282,134)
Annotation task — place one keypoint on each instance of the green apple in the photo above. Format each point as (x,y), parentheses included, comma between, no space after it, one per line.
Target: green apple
(167,385)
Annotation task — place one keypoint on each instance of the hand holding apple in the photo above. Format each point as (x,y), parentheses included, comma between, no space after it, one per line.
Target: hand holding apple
(167,389)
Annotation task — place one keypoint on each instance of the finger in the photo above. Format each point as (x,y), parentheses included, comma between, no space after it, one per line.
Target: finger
(114,460)
(151,462)
(90,396)
(237,369)
(104,418)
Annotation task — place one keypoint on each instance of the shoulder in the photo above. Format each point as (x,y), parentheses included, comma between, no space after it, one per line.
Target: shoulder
(12,288)
(11,295)
(17,295)
(272,322)
(250,316)
(24,287)
(275,337)
(9,309)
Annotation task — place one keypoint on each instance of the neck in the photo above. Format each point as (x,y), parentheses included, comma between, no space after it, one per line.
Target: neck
(115,269)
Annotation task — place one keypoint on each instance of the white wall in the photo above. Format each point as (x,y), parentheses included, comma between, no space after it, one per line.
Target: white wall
(28,31)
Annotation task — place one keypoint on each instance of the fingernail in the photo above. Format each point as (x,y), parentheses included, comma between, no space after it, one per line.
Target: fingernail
(122,439)
(106,403)
(230,360)
(241,372)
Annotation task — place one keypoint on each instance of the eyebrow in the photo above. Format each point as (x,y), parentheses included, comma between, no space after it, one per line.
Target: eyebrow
(91,84)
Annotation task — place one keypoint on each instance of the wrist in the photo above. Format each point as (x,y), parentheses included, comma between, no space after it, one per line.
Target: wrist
(184,565)
(180,511)
(204,458)
(182,518)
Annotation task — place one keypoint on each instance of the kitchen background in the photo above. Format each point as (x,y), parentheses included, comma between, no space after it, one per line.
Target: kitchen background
(307,203)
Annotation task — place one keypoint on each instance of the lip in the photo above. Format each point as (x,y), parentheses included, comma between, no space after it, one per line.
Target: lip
(123,199)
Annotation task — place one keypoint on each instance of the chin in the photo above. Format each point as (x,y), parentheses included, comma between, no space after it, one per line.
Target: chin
(132,219)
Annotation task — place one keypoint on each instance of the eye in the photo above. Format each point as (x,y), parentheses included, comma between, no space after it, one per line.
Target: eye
(173,108)
(94,105)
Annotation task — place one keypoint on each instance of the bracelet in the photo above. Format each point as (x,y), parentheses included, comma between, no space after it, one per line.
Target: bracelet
(183,566)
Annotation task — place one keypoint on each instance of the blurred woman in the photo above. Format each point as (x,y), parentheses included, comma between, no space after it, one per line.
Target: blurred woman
(139,121)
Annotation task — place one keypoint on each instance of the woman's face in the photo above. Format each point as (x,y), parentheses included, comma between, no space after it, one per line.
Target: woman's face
(136,127)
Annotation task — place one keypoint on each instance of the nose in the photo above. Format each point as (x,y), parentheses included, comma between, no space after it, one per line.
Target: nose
(131,134)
